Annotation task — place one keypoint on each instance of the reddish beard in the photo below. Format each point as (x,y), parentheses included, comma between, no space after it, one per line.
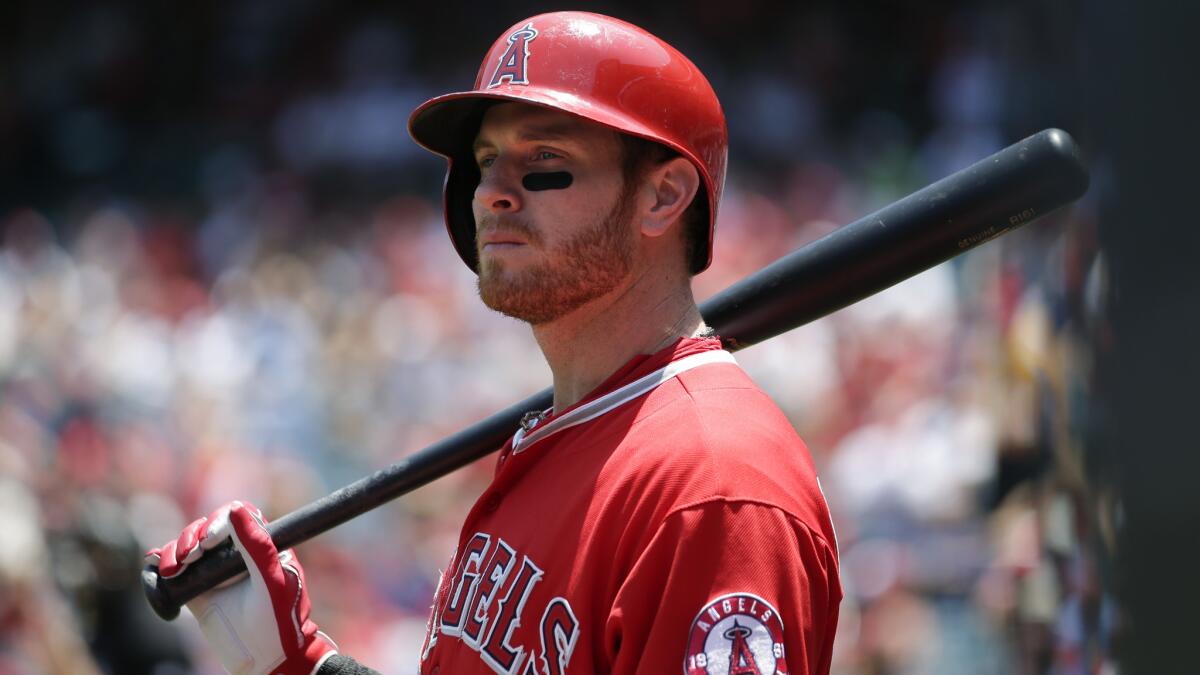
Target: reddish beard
(585,267)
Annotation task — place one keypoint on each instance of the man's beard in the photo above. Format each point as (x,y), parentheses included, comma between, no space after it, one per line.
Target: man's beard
(585,267)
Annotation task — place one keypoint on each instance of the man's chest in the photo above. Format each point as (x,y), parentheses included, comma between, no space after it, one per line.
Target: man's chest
(543,553)
(531,574)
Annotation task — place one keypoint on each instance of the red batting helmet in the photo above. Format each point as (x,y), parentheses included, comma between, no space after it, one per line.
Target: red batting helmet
(599,68)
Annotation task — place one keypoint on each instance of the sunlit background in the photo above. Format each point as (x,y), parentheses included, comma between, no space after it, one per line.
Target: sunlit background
(224,275)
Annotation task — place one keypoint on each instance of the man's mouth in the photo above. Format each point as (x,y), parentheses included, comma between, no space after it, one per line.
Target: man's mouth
(499,241)
(502,246)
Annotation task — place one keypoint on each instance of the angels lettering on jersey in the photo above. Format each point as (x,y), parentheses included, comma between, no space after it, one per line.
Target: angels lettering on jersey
(485,601)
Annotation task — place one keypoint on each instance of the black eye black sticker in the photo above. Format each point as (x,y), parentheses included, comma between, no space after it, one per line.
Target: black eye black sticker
(553,180)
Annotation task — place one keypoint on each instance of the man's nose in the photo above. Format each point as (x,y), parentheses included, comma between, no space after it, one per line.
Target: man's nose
(500,190)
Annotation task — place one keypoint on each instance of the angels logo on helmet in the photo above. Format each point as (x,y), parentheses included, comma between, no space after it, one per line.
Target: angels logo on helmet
(736,634)
(514,60)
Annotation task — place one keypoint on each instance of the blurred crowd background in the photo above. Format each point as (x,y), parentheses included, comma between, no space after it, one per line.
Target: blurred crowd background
(224,274)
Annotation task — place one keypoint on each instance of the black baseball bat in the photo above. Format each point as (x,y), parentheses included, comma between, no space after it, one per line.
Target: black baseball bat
(981,202)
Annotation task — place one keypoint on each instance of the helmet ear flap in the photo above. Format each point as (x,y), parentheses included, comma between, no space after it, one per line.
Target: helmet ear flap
(461,180)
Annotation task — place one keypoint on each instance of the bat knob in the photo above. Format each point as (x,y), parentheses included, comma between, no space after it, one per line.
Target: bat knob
(156,595)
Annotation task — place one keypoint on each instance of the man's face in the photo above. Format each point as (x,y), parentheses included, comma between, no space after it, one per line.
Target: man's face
(545,252)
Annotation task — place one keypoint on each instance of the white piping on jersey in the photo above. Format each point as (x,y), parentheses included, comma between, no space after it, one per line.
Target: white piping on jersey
(593,409)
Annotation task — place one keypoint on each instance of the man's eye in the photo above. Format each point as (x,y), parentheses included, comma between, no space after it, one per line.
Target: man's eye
(485,162)
(546,154)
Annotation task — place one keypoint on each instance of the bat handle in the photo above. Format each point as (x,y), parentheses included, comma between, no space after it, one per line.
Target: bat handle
(167,596)
(223,562)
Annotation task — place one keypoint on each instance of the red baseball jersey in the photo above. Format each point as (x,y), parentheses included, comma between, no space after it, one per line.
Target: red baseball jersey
(671,521)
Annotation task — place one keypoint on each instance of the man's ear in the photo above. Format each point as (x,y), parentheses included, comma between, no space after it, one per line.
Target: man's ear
(673,184)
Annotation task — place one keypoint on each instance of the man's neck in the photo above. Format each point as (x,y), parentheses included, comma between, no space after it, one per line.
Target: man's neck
(586,346)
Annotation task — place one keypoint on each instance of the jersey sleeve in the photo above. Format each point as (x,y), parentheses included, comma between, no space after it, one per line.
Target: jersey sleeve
(727,583)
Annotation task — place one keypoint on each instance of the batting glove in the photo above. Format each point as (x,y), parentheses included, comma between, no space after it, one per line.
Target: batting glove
(257,624)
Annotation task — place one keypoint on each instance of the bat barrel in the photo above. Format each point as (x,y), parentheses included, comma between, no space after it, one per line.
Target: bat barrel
(1006,190)
(987,199)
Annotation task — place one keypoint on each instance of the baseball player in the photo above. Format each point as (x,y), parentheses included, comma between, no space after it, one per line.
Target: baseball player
(663,514)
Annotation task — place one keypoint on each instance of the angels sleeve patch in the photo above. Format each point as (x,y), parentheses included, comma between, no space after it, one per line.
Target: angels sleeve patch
(736,634)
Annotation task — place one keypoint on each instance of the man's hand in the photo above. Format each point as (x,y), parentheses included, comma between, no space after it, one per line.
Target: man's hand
(257,624)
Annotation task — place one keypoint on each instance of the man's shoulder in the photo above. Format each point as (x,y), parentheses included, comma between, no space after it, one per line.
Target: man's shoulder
(717,406)
(715,435)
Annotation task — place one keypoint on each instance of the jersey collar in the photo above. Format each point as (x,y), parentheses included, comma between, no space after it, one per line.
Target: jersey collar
(637,377)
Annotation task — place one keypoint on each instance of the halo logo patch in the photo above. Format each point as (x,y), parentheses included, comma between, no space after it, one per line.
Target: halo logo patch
(736,634)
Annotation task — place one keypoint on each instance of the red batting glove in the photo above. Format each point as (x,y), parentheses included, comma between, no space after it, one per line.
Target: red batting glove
(258,624)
